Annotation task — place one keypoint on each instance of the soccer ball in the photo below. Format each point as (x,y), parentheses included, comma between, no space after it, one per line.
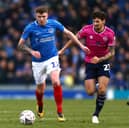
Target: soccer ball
(27,117)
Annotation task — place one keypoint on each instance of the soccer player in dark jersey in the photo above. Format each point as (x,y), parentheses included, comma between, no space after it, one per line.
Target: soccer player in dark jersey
(100,39)
(44,53)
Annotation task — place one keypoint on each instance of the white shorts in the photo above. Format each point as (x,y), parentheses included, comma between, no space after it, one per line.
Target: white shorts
(42,69)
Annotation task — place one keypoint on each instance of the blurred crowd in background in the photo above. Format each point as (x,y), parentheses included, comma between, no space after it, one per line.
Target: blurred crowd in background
(15,66)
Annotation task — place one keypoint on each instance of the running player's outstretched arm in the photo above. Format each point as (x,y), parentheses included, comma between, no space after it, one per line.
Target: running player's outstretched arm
(73,39)
(22,46)
(67,45)
(109,55)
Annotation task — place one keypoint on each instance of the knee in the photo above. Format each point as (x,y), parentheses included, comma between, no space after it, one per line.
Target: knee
(102,90)
(90,90)
(41,88)
(90,93)
(55,83)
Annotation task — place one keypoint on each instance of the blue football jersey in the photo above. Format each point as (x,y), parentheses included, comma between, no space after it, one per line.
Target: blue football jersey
(43,38)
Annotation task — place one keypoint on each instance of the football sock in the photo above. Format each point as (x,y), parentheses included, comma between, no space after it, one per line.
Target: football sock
(58,98)
(40,109)
(99,104)
(39,98)
(60,114)
(127,103)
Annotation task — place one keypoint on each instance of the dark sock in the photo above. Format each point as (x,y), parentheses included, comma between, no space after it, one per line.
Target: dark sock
(99,104)
(40,109)
(60,114)
(127,102)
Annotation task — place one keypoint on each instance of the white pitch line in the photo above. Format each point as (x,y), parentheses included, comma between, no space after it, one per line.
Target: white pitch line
(5,111)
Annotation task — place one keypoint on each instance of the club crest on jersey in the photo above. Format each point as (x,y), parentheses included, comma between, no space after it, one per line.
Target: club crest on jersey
(105,38)
(91,37)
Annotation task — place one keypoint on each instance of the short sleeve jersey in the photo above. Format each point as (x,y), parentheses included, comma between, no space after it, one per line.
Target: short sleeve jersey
(98,43)
(43,38)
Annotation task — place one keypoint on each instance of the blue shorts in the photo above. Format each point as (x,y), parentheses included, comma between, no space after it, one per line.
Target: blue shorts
(93,71)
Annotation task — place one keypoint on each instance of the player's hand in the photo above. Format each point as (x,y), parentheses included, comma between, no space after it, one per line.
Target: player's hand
(60,52)
(86,49)
(95,60)
(36,54)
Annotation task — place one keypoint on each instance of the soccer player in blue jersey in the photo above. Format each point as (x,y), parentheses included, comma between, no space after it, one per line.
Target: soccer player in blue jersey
(45,60)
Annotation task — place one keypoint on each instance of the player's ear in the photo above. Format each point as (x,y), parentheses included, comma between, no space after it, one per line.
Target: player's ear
(104,21)
(46,15)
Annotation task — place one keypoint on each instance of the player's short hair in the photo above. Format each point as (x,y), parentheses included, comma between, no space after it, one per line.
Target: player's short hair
(99,14)
(41,9)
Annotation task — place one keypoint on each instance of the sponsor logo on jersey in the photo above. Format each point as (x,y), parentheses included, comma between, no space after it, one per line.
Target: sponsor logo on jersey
(46,39)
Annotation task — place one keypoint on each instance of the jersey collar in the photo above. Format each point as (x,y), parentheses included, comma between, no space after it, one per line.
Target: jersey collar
(36,23)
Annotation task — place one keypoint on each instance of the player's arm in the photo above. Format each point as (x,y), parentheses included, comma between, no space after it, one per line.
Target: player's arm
(73,39)
(108,56)
(22,46)
(67,45)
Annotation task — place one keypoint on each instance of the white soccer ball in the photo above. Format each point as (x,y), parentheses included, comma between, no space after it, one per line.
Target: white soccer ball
(27,117)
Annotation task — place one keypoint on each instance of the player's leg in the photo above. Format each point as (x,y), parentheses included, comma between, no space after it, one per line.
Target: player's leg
(90,86)
(91,89)
(53,69)
(57,93)
(90,79)
(101,96)
(40,77)
(39,98)
(103,76)
(90,82)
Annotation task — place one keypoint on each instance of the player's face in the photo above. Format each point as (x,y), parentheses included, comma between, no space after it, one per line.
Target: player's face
(98,24)
(42,18)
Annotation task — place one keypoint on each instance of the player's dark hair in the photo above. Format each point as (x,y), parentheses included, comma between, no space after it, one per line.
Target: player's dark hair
(41,9)
(99,14)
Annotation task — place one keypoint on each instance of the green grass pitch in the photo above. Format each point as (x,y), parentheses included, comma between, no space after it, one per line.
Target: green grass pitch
(77,112)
